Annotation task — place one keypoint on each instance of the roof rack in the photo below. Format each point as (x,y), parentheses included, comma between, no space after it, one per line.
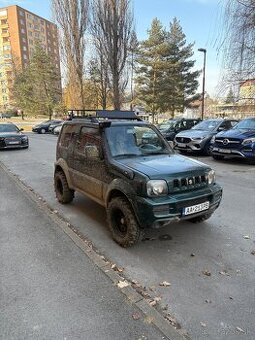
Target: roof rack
(103,114)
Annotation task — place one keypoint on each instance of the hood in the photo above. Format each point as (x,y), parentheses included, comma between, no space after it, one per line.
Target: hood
(164,166)
(236,133)
(196,133)
(11,134)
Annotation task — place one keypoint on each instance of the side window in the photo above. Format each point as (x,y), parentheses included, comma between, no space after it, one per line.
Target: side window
(66,135)
(88,137)
(225,125)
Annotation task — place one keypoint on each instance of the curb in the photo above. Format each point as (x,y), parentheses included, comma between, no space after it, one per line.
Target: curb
(149,312)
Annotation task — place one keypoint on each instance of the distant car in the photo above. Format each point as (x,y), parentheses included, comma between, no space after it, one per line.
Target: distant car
(57,129)
(237,142)
(198,139)
(171,127)
(54,125)
(11,137)
(44,126)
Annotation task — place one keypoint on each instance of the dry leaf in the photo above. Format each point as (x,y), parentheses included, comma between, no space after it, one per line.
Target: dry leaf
(165,284)
(206,272)
(203,324)
(224,272)
(240,330)
(247,237)
(136,316)
(153,303)
(122,284)
(192,254)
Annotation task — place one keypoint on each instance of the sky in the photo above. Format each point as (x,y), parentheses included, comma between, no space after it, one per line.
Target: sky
(200,20)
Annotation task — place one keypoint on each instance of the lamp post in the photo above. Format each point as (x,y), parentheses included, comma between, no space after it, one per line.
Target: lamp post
(203,89)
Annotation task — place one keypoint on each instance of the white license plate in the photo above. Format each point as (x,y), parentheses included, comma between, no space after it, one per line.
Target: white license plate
(14,143)
(224,150)
(181,145)
(196,208)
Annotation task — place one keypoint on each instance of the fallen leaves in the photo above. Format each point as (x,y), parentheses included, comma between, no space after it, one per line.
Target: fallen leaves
(239,329)
(246,237)
(117,269)
(203,324)
(122,284)
(165,284)
(206,272)
(136,316)
(224,272)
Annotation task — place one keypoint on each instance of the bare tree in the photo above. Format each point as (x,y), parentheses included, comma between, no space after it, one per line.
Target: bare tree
(111,28)
(238,45)
(72,17)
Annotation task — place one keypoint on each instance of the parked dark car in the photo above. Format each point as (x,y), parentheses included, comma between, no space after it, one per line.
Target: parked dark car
(44,126)
(12,137)
(54,125)
(141,185)
(237,142)
(198,139)
(57,129)
(171,127)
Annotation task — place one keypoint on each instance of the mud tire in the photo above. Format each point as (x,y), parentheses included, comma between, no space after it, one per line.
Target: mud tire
(122,222)
(63,193)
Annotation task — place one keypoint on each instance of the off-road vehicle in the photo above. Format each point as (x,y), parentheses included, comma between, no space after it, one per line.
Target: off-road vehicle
(140,185)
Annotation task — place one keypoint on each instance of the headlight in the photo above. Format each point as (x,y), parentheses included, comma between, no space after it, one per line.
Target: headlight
(24,138)
(213,140)
(157,188)
(248,141)
(211,177)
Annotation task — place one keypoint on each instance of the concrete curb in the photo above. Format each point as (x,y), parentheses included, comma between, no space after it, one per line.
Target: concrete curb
(149,312)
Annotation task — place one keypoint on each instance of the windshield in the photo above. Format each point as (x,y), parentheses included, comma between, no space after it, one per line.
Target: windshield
(208,125)
(8,128)
(167,125)
(247,124)
(128,141)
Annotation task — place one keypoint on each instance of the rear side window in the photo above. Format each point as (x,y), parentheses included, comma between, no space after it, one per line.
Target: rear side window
(66,135)
(88,136)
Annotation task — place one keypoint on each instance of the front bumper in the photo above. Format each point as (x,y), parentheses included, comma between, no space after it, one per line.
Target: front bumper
(247,152)
(193,145)
(157,212)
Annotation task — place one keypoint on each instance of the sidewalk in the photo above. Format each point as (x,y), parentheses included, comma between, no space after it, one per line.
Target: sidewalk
(49,289)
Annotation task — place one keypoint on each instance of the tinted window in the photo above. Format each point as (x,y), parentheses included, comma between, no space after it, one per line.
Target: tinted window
(248,124)
(208,125)
(88,137)
(66,135)
(8,128)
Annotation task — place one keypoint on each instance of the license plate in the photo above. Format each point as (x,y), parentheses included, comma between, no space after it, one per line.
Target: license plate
(181,145)
(14,143)
(196,208)
(224,150)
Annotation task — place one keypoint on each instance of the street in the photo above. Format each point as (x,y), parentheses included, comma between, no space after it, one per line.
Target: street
(210,266)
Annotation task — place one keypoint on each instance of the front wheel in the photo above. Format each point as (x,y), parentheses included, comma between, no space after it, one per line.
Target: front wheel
(201,218)
(43,131)
(122,222)
(63,193)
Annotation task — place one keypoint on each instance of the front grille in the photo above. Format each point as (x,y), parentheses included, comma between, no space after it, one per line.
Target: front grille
(183,139)
(187,183)
(228,141)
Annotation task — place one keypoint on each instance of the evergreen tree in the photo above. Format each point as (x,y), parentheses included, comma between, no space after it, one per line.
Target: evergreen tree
(230,99)
(37,86)
(151,67)
(165,79)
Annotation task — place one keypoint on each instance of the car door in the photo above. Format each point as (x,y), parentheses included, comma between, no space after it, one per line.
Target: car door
(88,166)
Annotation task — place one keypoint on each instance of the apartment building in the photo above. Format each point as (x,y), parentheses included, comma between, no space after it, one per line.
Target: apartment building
(20,31)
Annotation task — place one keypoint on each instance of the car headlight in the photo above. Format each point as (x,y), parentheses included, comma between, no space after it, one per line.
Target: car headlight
(157,188)
(25,138)
(211,177)
(212,140)
(248,141)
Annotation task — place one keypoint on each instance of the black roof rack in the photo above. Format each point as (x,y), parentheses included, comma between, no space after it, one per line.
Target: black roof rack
(103,114)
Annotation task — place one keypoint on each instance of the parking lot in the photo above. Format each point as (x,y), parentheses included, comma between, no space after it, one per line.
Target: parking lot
(209,266)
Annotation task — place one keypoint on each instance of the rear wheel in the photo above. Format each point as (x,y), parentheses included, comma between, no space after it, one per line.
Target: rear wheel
(63,193)
(208,149)
(43,131)
(122,222)
(201,218)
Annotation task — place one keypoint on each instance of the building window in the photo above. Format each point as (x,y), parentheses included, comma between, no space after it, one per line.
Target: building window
(31,42)
(4,22)
(30,25)
(29,16)
(4,90)
(6,39)
(7,56)
(3,13)
(5,98)
(6,47)
(24,56)
(30,33)
(4,30)
(24,48)
(21,13)
(23,30)
(24,40)
(22,22)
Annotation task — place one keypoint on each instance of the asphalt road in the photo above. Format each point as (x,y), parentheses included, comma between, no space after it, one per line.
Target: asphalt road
(218,306)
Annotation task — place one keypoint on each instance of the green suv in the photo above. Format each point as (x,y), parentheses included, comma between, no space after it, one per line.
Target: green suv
(140,184)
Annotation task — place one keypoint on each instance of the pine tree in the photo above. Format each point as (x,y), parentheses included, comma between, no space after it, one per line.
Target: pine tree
(230,99)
